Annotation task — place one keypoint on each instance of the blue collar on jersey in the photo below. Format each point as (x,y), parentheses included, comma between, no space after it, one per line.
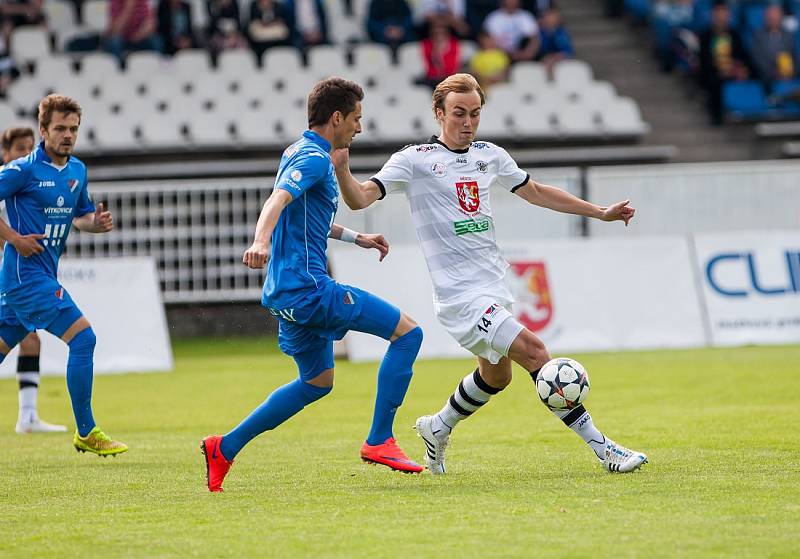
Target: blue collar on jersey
(317,139)
(43,154)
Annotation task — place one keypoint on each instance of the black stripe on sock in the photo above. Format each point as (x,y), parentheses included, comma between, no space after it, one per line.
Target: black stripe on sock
(28,364)
(535,374)
(28,384)
(467,398)
(458,408)
(573,416)
(476,376)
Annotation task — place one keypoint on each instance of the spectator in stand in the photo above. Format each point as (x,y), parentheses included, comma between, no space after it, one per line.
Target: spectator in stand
(672,19)
(537,7)
(450,13)
(22,12)
(441,53)
(774,48)
(270,25)
(477,12)
(490,64)
(556,44)
(175,25)
(723,58)
(224,25)
(132,26)
(8,69)
(515,30)
(310,22)
(389,22)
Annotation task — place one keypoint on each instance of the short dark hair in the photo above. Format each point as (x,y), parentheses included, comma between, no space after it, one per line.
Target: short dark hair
(11,135)
(331,95)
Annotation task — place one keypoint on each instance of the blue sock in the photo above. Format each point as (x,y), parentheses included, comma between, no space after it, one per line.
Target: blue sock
(282,404)
(80,372)
(394,376)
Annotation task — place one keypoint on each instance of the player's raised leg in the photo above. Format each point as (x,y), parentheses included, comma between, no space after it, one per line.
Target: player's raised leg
(28,374)
(529,351)
(74,329)
(394,376)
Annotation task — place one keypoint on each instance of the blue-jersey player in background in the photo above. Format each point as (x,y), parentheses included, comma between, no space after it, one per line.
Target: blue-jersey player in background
(46,193)
(311,308)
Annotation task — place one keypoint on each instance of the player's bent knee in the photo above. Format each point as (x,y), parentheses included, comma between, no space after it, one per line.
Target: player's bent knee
(313,392)
(83,343)
(406,325)
(30,345)
(322,380)
(410,340)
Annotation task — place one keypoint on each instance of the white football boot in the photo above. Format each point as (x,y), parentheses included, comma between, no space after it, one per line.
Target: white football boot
(32,424)
(434,455)
(622,460)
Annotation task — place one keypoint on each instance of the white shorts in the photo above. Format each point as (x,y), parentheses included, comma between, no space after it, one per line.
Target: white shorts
(484,325)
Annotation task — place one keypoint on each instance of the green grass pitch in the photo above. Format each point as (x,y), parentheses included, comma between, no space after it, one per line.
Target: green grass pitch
(720,427)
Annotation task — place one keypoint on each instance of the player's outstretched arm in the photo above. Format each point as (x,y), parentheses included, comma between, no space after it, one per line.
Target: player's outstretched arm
(256,256)
(559,200)
(26,245)
(364,240)
(99,221)
(357,195)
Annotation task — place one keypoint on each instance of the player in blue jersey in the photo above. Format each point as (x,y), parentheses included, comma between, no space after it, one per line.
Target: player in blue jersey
(311,308)
(16,143)
(45,194)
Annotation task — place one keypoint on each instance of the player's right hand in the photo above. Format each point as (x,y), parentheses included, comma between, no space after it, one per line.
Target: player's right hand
(28,245)
(255,257)
(340,157)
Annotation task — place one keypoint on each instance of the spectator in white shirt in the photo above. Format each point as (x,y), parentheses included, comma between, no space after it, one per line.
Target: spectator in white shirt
(515,30)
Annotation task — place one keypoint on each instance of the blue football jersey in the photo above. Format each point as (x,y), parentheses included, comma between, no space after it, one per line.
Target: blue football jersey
(298,262)
(41,198)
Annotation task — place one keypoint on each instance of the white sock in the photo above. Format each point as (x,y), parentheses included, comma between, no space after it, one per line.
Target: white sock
(28,395)
(470,395)
(581,422)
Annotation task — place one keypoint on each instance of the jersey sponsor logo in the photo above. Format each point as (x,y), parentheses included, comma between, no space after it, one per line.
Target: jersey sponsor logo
(296,175)
(481,166)
(430,147)
(480,145)
(73,184)
(60,201)
(470,226)
(285,314)
(291,184)
(468,196)
(439,169)
(54,234)
(528,282)
(462,160)
(47,184)
(51,211)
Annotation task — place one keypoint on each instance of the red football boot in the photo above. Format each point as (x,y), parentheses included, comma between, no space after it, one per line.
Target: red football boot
(217,465)
(389,454)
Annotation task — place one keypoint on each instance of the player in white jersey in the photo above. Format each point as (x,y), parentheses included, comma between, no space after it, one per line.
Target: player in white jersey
(447,183)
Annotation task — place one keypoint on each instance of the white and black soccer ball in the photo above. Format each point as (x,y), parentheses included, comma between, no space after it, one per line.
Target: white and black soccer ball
(562,384)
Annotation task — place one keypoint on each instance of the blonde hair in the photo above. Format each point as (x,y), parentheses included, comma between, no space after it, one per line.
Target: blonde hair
(457,83)
(53,103)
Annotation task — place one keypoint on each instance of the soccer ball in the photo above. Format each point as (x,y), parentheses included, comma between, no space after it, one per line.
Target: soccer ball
(562,384)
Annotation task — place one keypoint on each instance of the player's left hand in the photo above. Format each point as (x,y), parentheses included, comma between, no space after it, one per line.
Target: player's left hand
(103,221)
(621,211)
(375,241)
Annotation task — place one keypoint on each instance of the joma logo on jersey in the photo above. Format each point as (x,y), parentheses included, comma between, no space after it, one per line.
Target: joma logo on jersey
(47,184)
(286,314)
(468,196)
(470,226)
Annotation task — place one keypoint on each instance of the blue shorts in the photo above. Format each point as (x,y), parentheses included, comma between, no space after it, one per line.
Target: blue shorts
(35,307)
(330,312)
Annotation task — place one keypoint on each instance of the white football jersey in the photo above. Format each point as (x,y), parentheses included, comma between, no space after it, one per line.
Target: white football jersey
(448,192)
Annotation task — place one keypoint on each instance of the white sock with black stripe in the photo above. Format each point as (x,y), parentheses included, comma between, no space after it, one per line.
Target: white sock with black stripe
(580,421)
(470,394)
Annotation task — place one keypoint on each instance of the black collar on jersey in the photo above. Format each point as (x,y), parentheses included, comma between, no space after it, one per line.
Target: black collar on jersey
(435,140)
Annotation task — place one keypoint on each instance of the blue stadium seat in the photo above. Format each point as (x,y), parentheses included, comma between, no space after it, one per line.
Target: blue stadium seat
(790,106)
(745,99)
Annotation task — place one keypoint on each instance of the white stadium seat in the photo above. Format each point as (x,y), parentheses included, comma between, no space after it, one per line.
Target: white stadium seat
(24,93)
(159,130)
(282,60)
(144,64)
(95,15)
(60,17)
(623,117)
(54,68)
(572,75)
(29,43)
(576,120)
(99,64)
(256,128)
(236,62)
(496,122)
(210,129)
(372,57)
(534,121)
(7,114)
(325,60)
(191,62)
(409,59)
(114,133)
(528,74)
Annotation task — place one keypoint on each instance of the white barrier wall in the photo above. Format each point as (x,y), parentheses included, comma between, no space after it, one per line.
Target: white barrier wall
(121,299)
(751,286)
(578,295)
(684,199)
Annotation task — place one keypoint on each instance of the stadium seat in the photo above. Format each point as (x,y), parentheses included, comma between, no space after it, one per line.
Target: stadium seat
(508,94)
(25,93)
(53,68)
(326,60)
(533,121)
(745,99)
(60,17)
(162,130)
(571,74)
(236,62)
(29,43)
(409,59)
(372,57)
(255,128)
(789,89)
(344,30)
(254,88)
(576,120)
(529,74)
(99,63)
(74,87)
(113,133)
(7,113)
(290,124)
(496,122)
(210,129)
(190,62)
(94,14)
(282,60)
(622,117)
(164,88)
(598,95)
(144,64)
